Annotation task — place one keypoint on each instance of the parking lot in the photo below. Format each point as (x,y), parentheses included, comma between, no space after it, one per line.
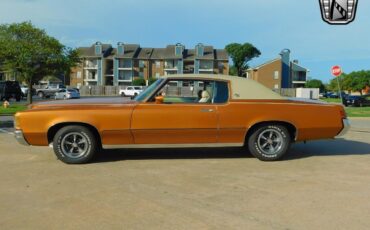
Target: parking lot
(318,185)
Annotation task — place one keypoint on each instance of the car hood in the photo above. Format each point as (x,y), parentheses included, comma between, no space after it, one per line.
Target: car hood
(83,102)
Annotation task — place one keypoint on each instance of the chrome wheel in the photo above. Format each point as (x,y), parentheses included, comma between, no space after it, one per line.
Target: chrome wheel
(74,145)
(270,141)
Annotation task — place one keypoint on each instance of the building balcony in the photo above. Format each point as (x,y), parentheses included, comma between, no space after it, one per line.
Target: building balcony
(125,68)
(90,79)
(91,67)
(206,70)
(171,68)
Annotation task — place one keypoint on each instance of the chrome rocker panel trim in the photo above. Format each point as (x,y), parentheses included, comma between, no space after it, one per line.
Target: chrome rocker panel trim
(149,146)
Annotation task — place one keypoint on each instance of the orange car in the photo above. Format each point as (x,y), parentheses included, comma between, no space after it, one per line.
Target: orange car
(181,111)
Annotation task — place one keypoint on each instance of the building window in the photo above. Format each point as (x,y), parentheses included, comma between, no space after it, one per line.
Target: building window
(141,74)
(276,75)
(157,64)
(125,75)
(78,74)
(178,50)
(141,64)
(276,86)
(200,50)
(170,64)
(206,64)
(91,63)
(248,76)
(91,75)
(125,63)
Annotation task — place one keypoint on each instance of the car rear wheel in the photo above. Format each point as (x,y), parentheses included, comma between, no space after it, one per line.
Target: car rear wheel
(123,94)
(74,144)
(269,142)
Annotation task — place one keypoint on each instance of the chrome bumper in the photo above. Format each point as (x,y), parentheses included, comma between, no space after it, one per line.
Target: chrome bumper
(18,134)
(346,126)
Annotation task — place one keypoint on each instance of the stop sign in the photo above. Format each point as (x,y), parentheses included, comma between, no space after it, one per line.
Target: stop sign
(336,71)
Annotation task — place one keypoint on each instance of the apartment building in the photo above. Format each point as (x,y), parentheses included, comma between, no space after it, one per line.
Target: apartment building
(104,65)
(280,72)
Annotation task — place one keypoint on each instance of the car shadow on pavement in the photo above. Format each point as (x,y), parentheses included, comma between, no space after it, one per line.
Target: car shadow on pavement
(170,153)
(337,147)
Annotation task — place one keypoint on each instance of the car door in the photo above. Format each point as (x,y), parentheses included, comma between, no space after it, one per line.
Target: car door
(175,123)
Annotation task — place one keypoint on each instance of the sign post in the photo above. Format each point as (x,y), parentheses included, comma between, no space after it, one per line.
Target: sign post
(336,71)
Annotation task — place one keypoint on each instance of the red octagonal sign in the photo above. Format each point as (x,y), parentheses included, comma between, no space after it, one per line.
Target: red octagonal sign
(336,71)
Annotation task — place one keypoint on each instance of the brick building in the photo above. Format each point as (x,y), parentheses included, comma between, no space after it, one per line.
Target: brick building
(104,65)
(279,73)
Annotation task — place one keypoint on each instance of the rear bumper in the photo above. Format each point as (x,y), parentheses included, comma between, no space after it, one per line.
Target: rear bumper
(18,134)
(346,126)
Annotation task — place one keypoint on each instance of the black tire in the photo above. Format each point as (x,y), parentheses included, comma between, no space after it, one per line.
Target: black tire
(123,94)
(68,156)
(258,148)
(18,98)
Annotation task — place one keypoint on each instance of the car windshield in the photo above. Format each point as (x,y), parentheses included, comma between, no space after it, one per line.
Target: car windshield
(148,91)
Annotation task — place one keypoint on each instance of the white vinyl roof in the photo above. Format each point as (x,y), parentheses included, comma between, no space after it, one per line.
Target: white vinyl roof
(241,88)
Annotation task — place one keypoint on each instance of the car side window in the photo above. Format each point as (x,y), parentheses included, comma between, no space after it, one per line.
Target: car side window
(221,92)
(187,91)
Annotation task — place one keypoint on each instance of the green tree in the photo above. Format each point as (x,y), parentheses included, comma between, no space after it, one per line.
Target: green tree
(152,80)
(333,83)
(241,54)
(315,83)
(139,82)
(355,81)
(233,71)
(32,53)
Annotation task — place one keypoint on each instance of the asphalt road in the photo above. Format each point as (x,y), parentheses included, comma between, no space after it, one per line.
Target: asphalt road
(318,185)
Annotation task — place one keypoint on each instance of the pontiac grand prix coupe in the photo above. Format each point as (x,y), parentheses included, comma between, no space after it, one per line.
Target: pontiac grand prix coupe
(181,111)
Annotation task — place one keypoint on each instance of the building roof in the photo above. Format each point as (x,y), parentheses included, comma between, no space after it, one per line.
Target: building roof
(134,51)
(144,53)
(130,51)
(90,51)
(242,88)
(265,63)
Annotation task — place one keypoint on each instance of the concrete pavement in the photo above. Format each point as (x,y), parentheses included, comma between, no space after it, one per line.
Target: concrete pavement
(318,185)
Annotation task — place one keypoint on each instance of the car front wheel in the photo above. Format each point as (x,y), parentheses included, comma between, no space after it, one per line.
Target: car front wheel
(269,142)
(74,144)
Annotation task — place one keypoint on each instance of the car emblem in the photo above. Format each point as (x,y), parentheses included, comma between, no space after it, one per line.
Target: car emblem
(338,12)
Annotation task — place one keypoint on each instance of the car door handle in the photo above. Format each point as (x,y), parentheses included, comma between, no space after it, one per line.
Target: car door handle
(206,110)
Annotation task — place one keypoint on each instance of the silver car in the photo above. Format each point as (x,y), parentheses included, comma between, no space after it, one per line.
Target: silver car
(67,94)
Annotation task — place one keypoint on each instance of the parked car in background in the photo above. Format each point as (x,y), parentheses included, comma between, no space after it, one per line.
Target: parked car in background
(203,111)
(24,89)
(131,91)
(333,95)
(10,89)
(66,94)
(49,90)
(357,100)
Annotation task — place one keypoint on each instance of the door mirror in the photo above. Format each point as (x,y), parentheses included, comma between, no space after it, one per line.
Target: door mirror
(159,99)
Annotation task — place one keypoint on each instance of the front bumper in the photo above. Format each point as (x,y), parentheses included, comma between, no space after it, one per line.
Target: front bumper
(346,126)
(18,134)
